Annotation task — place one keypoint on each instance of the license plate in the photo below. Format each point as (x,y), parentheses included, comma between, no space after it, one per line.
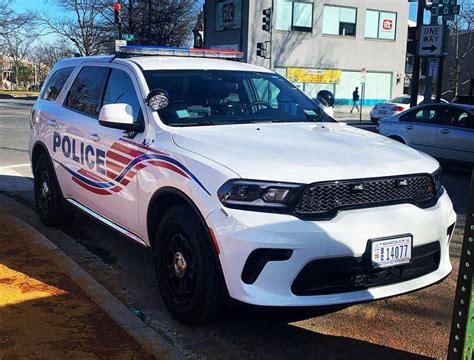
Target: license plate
(391,252)
(382,111)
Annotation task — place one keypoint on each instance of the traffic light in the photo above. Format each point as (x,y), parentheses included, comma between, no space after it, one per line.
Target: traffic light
(117,13)
(267,19)
(262,50)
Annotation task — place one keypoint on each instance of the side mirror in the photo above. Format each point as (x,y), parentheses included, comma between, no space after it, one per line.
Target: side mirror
(158,99)
(119,116)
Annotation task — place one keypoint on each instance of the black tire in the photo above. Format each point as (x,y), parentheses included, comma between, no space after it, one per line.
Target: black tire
(49,202)
(193,290)
(374,120)
(397,138)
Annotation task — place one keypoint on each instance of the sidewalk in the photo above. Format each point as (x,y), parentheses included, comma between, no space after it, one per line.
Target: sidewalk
(343,114)
(44,313)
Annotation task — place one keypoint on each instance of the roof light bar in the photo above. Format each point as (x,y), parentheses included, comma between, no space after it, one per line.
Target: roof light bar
(175,51)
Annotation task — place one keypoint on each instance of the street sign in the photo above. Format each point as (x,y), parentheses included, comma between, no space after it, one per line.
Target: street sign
(128,37)
(433,66)
(431,41)
(119,43)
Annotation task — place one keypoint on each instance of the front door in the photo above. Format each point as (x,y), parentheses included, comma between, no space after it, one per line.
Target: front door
(420,128)
(121,153)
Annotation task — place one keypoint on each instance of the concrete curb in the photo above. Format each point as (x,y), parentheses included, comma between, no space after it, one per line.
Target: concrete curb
(140,331)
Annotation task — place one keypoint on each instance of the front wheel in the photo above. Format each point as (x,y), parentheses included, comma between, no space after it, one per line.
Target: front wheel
(188,275)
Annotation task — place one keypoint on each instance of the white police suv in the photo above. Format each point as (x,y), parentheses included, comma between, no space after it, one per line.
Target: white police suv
(239,183)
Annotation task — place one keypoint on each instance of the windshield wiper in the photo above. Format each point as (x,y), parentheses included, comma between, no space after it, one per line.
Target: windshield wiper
(200,123)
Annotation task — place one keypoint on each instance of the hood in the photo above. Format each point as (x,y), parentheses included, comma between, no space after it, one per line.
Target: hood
(302,152)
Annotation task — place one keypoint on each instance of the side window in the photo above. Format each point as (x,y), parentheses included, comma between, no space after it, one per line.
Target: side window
(464,120)
(120,90)
(53,87)
(85,92)
(426,115)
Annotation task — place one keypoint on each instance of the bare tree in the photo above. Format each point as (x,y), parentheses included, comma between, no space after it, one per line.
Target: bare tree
(49,53)
(84,25)
(16,34)
(169,23)
(45,54)
(460,45)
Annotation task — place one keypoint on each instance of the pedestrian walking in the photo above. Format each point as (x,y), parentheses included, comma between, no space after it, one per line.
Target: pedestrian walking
(355,99)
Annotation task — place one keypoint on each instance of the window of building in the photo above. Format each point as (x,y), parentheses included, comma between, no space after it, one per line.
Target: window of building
(55,84)
(294,16)
(339,20)
(85,92)
(380,25)
(120,90)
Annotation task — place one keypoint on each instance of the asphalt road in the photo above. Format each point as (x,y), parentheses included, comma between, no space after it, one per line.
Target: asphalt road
(414,326)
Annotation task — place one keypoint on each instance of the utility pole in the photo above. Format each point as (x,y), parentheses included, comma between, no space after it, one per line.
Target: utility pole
(439,80)
(415,82)
(428,64)
(149,20)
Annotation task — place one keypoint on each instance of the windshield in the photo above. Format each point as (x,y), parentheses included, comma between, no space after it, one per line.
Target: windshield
(400,100)
(208,97)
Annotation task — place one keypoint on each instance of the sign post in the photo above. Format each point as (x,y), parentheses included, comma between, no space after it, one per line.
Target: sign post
(363,76)
(461,342)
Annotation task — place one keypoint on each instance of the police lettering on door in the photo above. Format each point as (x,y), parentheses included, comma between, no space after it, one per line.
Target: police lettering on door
(79,152)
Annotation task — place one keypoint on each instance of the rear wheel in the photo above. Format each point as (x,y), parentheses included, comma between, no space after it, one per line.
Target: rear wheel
(188,275)
(49,202)
(397,138)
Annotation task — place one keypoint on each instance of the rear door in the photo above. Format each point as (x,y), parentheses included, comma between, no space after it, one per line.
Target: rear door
(78,159)
(419,128)
(455,136)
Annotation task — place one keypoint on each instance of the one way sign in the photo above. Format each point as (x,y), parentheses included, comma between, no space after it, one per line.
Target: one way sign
(431,41)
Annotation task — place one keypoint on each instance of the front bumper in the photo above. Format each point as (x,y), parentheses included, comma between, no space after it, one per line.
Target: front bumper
(240,232)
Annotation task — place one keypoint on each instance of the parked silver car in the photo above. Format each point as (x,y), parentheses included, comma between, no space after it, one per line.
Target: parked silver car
(445,131)
(394,106)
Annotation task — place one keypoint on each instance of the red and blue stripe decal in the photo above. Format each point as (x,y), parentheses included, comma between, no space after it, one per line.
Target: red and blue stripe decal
(122,162)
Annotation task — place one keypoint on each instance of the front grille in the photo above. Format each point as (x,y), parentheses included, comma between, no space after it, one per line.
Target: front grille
(340,275)
(324,200)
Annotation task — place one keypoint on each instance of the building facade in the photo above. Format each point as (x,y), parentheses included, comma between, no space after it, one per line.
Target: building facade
(319,44)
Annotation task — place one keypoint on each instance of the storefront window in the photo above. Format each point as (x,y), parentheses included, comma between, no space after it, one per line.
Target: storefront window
(380,25)
(339,20)
(294,16)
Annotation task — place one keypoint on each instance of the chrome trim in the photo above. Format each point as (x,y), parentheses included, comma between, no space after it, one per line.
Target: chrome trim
(107,222)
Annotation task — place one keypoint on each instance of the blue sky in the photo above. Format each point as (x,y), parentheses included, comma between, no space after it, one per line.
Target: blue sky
(48,5)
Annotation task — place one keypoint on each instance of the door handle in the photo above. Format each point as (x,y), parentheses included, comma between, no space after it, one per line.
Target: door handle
(445,131)
(53,123)
(94,137)
(409,127)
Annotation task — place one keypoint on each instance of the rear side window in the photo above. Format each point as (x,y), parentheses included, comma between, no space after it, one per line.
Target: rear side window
(85,92)
(55,84)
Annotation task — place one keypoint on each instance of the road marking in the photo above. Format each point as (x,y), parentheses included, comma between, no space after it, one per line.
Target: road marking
(14,166)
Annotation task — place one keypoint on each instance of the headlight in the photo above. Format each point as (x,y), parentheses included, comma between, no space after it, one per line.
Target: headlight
(437,178)
(258,195)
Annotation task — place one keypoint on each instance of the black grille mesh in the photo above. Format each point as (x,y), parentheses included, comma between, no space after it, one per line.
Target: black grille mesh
(325,199)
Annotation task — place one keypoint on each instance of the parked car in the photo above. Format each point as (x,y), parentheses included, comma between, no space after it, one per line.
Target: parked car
(394,106)
(241,185)
(445,131)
